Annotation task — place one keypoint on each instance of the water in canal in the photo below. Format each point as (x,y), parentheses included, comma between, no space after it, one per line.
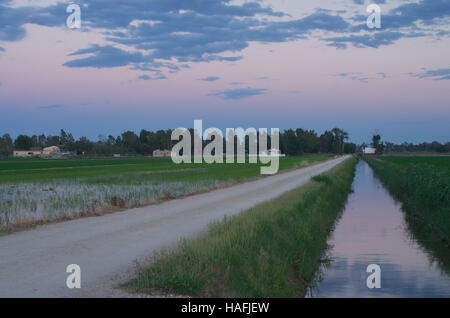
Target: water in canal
(372,230)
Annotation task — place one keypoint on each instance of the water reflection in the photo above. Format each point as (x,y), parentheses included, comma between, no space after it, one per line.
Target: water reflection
(372,230)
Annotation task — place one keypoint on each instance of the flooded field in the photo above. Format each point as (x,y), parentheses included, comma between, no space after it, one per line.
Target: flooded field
(60,198)
(372,230)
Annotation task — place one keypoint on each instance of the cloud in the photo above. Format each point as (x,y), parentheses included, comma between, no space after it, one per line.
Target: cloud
(424,18)
(145,77)
(408,15)
(363,78)
(370,40)
(11,23)
(193,37)
(51,106)
(164,36)
(0,84)
(295,91)
(210,79)
(437,75)
(2,49)
(239,93)
(363,1)
(185,31)
(354,76)
(425,11)
(13,19)
(105,57)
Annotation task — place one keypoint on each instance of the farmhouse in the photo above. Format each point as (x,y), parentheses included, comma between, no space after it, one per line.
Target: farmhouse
(369,151)
(51,151)
(162,153)
(48,152)
(272,152)
(33,152)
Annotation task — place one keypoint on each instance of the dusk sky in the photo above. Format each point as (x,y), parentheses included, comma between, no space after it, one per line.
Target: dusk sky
(160,64)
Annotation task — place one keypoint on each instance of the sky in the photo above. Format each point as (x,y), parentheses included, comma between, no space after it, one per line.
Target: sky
(161,64)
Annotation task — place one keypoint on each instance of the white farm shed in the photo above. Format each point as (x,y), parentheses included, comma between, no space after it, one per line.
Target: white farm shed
(368,151)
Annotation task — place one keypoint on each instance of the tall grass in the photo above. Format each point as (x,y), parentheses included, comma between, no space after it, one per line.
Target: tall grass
(271,250)
(423,187)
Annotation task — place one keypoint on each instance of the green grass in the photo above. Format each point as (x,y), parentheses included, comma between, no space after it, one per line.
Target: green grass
(272,250)
(35,163)
(439,162)
(43,169)
(422,184)
(35,191)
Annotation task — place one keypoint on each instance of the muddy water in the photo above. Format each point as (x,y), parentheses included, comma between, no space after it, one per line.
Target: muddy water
(372,230)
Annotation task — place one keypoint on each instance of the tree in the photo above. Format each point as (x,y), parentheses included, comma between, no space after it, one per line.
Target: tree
(6,145)
(42,141)
(53,141)
(326,142)
(63,137)
(290,143)
(35,141)
(130,142)
(311,142)
(349,147)
(339,137)
(23,142)
(379,146)
(84,145)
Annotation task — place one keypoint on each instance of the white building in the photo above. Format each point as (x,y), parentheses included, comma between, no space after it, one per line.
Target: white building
(368,151)
(52,151)
(27,153)
(49,151)
(270,153)
(162,153)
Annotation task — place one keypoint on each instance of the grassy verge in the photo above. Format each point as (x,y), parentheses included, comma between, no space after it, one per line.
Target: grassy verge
(271,250)
(423,186)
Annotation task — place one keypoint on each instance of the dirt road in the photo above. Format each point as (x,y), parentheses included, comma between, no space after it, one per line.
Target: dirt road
(33,263)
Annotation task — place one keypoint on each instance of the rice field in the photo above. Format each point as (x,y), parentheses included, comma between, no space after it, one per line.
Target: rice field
(34,191)
(422,185)
(61,199)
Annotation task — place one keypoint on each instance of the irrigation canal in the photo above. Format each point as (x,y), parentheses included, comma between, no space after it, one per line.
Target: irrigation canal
(372,230)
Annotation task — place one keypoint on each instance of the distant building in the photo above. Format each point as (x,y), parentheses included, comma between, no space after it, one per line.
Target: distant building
(162,153)
(51,150)
(48,152)
(272,153)
(269,153)
(369,151)
(27,153)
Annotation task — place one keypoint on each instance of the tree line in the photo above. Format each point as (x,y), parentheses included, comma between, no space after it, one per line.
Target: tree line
(292,142)
(389,147)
